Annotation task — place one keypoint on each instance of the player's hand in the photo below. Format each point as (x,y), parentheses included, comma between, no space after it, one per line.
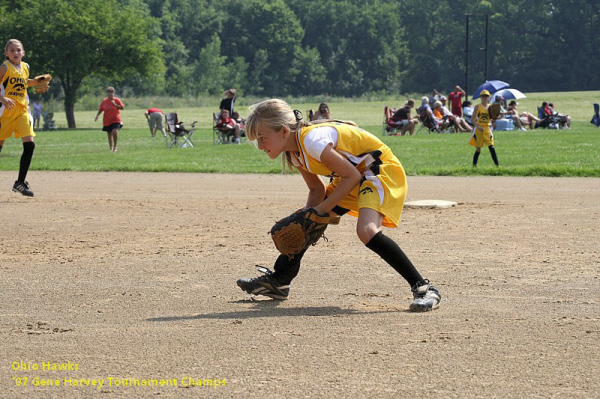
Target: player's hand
(7,102)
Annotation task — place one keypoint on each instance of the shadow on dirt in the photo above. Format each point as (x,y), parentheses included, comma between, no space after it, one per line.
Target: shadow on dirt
(272,309)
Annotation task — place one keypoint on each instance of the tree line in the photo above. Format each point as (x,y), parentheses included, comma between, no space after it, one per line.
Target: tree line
(307,47)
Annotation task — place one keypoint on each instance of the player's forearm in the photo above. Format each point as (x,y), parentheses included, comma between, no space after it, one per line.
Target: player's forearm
(344,187)
(315,197)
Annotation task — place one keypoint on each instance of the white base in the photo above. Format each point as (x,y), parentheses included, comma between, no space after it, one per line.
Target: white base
(437,204)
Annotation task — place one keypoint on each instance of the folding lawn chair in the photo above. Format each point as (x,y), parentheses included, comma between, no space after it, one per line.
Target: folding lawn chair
(427,122)
(49,123)
(220,135)
(389,128)
(177,134)
(596,117)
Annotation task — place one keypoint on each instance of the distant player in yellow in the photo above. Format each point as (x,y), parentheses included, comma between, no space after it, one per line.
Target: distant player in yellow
(15,115)
(482,133)
(367,181)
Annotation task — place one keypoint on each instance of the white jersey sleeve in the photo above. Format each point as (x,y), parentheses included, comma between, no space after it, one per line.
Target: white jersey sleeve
(318,139)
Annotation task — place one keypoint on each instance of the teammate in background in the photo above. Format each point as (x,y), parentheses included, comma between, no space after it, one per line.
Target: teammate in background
(15,117)
(482,134)
(368,182)
(154,116)
(111,106)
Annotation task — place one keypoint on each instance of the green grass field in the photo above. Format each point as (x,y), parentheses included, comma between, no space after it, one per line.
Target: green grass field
(536,153)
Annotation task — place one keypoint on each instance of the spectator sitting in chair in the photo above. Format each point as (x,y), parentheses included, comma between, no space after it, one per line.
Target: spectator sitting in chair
(241,123)
(402,119)
(523,119)
(459,124)
(323,113)
(229,126)
(467,109)
(438,114)
(425,108)
(565,120)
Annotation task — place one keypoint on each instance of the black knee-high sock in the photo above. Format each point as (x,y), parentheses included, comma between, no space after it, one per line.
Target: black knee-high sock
(475,158)
(287,269)
(395,257)
(493,153)
(0,148)
(28,148)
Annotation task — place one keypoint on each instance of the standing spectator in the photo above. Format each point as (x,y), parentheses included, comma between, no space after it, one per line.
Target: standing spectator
(456,100)
(435,96)
(37,113)
(228,101)
(323,113)
(111,122)
(154,116)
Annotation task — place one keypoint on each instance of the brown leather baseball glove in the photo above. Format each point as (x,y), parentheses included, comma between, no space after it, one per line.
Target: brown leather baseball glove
(301,229)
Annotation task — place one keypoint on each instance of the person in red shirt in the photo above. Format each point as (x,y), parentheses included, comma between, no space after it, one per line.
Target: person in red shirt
(455,99)
(111,106)
(227,125)
(154,116)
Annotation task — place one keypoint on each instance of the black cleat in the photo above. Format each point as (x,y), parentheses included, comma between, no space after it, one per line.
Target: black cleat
(23,188)
(264,285)
(426,297)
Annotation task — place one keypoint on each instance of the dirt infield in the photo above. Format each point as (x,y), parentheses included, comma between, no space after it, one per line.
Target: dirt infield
(129,278)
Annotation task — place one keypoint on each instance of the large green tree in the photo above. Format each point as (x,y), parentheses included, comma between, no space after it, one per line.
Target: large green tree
(74,39)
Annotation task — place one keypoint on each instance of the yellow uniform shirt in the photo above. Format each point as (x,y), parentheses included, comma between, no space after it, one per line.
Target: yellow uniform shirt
(482,116)
(17,120)
(482,134)
(383,186)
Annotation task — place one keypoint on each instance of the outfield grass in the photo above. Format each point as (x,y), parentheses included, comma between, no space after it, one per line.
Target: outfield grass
(365,113)
(536,153)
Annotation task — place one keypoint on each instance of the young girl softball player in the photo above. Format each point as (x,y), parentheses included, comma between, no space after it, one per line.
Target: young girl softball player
(367,181)
(15,115)
(482,134)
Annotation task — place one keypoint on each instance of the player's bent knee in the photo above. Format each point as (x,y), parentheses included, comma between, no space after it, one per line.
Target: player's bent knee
(366,232)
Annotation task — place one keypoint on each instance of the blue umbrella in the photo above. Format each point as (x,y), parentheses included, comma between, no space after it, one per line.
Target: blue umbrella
(508,94)
(492,86)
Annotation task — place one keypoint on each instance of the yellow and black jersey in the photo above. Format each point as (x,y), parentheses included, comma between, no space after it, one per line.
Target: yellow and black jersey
(482,115)
(361,148)
(383,186)
(14,83)
(16,121)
